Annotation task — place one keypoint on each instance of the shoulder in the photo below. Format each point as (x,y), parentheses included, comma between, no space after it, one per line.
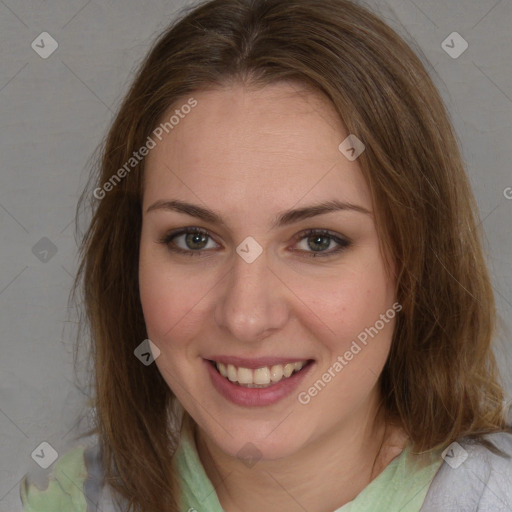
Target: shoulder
(72,481)
(473,478)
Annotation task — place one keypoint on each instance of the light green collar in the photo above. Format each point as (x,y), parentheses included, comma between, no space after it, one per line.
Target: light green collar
(402,485)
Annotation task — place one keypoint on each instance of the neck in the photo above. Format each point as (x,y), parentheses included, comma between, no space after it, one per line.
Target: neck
(322,476)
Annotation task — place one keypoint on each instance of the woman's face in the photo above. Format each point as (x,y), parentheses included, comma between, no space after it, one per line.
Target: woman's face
(254,289)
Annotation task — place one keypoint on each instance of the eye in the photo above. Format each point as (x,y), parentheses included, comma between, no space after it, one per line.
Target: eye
(316,242)
(313,242)
(191,241)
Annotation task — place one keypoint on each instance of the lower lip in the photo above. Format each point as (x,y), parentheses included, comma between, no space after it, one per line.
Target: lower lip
(254,397)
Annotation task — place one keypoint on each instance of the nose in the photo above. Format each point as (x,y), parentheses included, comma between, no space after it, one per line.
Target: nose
(252,303)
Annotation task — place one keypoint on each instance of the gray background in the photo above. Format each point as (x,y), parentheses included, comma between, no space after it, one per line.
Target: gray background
(55,111)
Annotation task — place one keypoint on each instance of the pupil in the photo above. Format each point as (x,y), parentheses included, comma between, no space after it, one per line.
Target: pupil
(196,238)
(317,240)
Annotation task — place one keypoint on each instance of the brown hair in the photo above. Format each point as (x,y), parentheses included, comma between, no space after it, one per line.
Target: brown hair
(440,381)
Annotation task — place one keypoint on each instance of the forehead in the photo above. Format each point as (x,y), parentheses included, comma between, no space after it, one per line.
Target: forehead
(276,144)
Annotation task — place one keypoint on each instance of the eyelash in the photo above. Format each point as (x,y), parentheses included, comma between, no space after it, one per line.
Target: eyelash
(343,243)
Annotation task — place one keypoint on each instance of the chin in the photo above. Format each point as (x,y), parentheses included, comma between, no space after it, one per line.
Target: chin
(256,440)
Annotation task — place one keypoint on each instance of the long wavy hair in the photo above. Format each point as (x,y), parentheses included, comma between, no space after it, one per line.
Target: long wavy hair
(440,381)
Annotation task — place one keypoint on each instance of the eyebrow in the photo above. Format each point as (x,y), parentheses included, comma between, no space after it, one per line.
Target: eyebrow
(282,219)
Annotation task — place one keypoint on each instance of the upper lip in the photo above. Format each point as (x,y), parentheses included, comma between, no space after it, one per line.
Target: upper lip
(258,362)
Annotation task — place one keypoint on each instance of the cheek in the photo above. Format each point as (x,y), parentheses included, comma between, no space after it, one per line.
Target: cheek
(176,299)
(348,303)
(165,297)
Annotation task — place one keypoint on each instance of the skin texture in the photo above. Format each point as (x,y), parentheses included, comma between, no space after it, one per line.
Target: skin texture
(250,154)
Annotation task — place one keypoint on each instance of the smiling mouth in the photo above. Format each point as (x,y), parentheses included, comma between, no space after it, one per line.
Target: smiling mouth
(264,377)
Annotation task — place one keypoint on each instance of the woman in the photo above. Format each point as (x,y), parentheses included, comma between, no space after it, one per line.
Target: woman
(282,210)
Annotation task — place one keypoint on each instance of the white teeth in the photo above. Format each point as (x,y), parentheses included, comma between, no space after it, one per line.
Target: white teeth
(231,373)
(276,372)
(222,369)
(260,377)
(245,376)
(288,369)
